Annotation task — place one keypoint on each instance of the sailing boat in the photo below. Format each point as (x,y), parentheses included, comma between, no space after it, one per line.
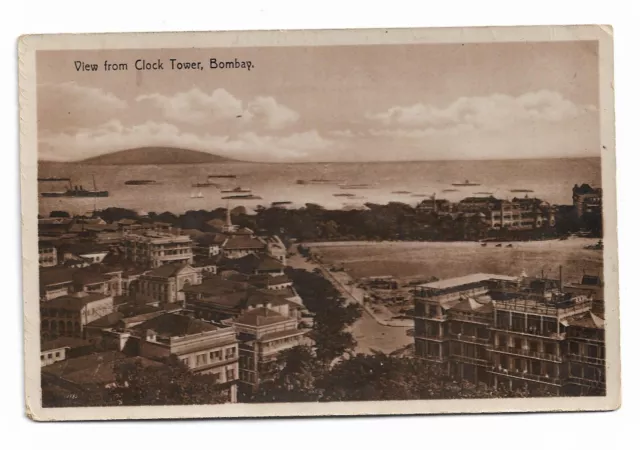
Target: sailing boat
(198,195)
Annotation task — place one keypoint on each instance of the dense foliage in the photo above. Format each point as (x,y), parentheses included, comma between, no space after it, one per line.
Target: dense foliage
(332,314)
(378,376)
(136,384)
(394,221)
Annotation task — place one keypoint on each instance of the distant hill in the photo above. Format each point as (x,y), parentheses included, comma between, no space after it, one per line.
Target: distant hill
(156,155)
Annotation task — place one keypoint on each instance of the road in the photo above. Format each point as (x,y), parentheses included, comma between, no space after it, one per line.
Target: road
(369,334)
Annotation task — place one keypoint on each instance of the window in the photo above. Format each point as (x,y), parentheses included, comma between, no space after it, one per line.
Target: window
(231,374)
(550,348)
(57,354)
(49,356)
(574,348)
(41,357)
(230,353)
(201,360)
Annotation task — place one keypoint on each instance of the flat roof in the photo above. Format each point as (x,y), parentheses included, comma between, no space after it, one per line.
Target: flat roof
(466,279)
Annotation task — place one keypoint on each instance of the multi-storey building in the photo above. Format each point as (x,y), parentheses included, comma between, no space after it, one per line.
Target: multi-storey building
(586,352)
(164,284)
(432,303)
(203,347)
(535,213)
(529,337)
(511,331)
(154,249)
(47,254)
(263,333)
(587,200)
(434,205)
(69,314)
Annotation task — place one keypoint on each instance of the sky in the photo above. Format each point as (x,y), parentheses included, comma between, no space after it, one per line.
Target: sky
(333,103)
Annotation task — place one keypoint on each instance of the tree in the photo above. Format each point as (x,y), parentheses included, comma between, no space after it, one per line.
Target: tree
(331,314)
(297,374)
(170,384)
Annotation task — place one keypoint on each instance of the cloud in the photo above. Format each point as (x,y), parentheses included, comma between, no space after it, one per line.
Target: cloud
(344,134)
(70,105)
(269,112)
(199,108)
(492,112)
(113,135)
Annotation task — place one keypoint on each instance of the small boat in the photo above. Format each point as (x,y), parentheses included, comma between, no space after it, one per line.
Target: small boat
(319,181)
(483,193)
(563,238)
(401,192)
(281,203)
(510,246)
(236,190)
(449,190)
(484,244)
(466,183)
(205,184)
(498,245)
(419,195)
(242,197)
(222,176)
(521,190)
(344,195)
(355,186)
(53,179)
(198,195)
(140,182)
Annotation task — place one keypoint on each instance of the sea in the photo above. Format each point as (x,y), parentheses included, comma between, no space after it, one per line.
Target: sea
(381,182)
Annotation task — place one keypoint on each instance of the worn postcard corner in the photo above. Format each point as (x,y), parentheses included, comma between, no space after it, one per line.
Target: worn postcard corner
(319,223)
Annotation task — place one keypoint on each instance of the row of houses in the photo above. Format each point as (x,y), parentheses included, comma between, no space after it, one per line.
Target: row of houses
(218,301)
(519,213)
(515,331)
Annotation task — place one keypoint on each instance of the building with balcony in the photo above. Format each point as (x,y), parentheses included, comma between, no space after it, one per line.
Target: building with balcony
(203,347)
(155,248)
(55,282)
(69,314)
(586,354)
(511,331)
(264,333)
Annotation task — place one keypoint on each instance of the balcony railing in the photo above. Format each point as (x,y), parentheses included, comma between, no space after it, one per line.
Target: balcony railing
(587,382)
(470,339)
(528,353)
(438,338)
(526,376)
(432,358)
(439,317)
(531,332)
(586,359)
(470,360)
(537,306)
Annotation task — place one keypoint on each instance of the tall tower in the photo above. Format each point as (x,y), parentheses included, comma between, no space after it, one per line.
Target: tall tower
(229,227)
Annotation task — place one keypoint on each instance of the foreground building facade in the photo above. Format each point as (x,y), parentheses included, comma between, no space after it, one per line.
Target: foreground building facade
(516,332)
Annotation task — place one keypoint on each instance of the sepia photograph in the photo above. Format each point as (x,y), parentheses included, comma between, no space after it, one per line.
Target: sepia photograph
(251,224)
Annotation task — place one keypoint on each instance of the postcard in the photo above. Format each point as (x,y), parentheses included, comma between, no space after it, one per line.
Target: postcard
(319,223)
